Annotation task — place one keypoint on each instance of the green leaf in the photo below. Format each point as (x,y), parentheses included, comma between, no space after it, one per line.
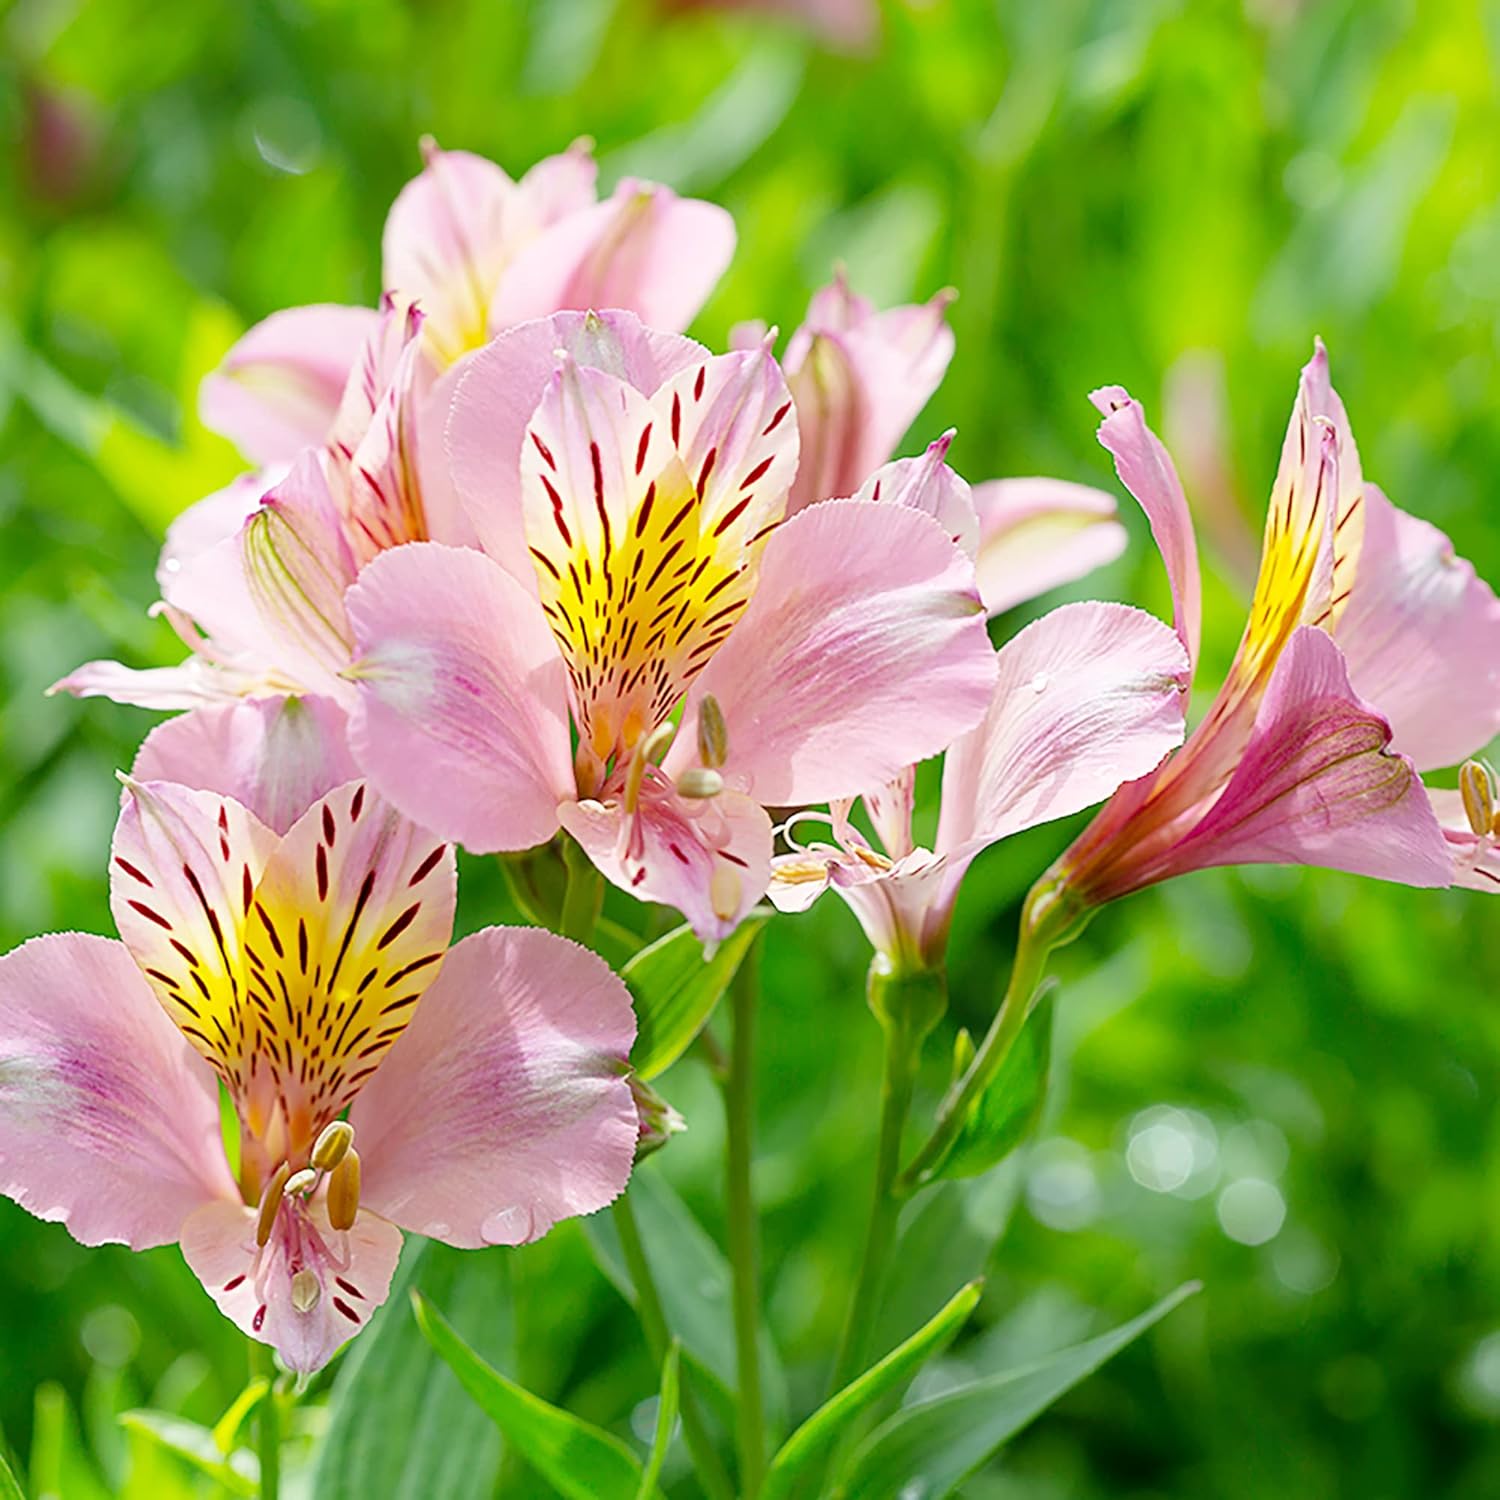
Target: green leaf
(579,1460)
(401,1423)
(238,1472)
(675,989)
(835,1415)
(227,1428)
(1003,1115)
(9,1488)
(666,1420)
(694,1280)
(942,1441)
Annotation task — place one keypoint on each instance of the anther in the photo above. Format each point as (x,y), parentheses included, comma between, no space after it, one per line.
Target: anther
(699,783)
(299,1182)
(305,1291)
(1476,786)
(270,1202)
(343,1191)
(724,891)
(713,735)
(333,1141)
(650,749)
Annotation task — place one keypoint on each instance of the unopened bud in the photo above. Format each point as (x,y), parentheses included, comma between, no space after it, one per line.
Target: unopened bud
(334,1140)
(695,782)
(1476,786)
(270,1202)
(659,1122)
(713,734)
(343,1191)
(299,1182)
(305,1291)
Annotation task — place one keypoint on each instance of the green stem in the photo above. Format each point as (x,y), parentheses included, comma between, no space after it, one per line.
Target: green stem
(744,1249)
(584,896)
(267,1422)
(1048,920)
(653,1320)
(908,1004)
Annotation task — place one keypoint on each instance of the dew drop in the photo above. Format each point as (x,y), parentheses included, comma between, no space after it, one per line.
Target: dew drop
(1039,682)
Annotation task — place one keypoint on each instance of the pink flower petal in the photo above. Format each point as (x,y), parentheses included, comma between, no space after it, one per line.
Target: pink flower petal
(1318,784)
(461,718)
(860,377)
(708,858)
(929,485)
(192,684)
(862,651)
(277,390)
(504,1107)
(495,399)
(108,1122)
(643,249)
(213,520)
(1145,468)
(253,1287)
(1089,696)
(276,756)
(1421,636)
(1476,860)
(1036,534)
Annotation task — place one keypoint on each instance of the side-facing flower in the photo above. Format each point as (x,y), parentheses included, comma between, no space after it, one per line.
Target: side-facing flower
(640,563)
(477,252)
(1371,653)
(475,1095)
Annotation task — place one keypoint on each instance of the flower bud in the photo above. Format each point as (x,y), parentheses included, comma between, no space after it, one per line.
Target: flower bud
(343,1191)
(659,1122)
(713,733)
(1476,786)
(333,1141)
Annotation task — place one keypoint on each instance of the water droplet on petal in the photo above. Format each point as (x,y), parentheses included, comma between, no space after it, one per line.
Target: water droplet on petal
(1039,682)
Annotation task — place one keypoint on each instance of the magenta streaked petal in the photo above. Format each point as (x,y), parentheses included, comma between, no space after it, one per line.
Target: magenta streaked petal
(108,1121)
(504,1107)
(1146,470)
(929,485)
(1421,635)
(862,651)
(461,715)
(277,390)
(1036,534)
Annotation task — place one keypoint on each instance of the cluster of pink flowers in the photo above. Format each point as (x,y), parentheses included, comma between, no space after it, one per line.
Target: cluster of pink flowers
(520,559)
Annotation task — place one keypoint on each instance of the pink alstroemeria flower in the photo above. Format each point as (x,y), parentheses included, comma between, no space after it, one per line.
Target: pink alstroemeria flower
(1086,698)
(477,252)
(850,25)
(1371,653)
(380,1080)
(637,559)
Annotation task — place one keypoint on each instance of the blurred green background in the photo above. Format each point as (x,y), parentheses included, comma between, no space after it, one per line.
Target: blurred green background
(1281,1082)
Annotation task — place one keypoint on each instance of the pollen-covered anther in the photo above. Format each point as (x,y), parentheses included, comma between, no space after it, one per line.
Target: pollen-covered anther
(270,1202)
(872,857)
(713,733)
(343,1191)
(698,783)
(724,891)
(647,751)
(300,1182)
(1476,786)
(332,1144)
(306,1290)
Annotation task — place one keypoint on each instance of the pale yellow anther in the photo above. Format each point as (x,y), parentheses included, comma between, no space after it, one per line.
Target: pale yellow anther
(647,751)
(1476,786)
(697,783)
(333,1141)
(713,734)
(305,1291)
(299,1182)
(343,1191)
(724,890)
(270,1202)
(872,857)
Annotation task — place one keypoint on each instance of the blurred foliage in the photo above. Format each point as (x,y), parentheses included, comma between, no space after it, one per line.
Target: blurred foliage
(1281,1082)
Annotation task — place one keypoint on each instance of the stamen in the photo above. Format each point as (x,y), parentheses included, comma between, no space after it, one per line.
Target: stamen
(699,783)
(1476,786)
(787,830)
(270,1202)
(332,1143)
(713,734)
(724,891)
(343,1191)
(306,1291)
(299,1182)
(871,857)
(647,751)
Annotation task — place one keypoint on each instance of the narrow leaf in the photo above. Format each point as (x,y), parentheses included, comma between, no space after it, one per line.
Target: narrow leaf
(834,1416)
(675,989)
(1003,1115)
(942,1441)
(579,1460)
(239,1472)
(9,1488)
(666,1420)
(227,1428)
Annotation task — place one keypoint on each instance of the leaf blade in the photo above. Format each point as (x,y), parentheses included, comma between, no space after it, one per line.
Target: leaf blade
(666,1420)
